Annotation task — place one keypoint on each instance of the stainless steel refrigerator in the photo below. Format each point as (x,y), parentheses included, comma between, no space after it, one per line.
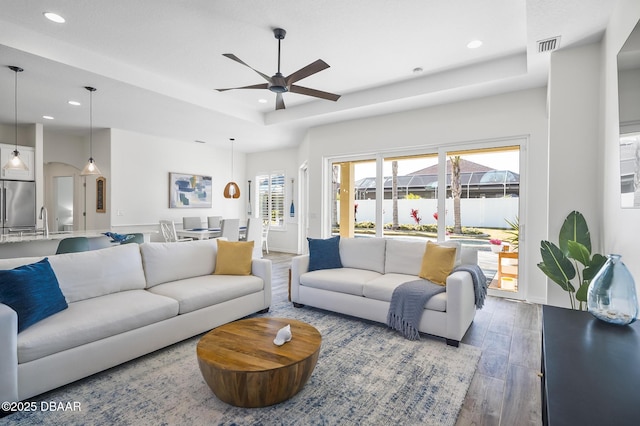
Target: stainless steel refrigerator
(17,206)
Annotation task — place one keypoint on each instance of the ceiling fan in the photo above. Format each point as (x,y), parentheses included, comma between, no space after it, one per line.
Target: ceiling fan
(280,84)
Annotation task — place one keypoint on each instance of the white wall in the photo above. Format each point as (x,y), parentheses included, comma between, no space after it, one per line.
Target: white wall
(574,176)
(514,114)
(620,227)
(139,185)
(285,160)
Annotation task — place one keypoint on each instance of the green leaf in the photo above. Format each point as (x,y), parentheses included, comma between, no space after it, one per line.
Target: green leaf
(579,252)
(575,229)
(593,267)
(581,294)
(556,265)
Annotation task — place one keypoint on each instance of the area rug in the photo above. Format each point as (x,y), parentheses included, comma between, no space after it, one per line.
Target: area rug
(366,374)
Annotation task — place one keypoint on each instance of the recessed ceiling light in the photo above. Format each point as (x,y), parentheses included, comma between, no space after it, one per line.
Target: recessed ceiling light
(54,17)
(262,101)
(417,70)
(74,103)
(47,117)
(474,44)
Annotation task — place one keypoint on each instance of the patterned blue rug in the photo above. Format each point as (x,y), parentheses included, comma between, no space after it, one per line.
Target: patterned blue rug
(366,374)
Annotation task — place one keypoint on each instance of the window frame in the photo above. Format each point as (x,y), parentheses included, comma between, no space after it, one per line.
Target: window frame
(276,195)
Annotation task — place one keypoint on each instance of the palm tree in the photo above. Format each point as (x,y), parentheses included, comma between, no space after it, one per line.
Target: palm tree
(456,191)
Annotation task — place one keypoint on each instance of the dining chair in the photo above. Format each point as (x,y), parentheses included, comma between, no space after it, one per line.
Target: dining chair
(168,230)
(230,229)
(191,222)
(214,221)
(265,236)
(73,245)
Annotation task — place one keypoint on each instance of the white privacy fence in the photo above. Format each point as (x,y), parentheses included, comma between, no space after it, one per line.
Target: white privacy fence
(474,212)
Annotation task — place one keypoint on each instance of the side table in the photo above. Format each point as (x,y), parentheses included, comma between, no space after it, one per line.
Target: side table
(590,370)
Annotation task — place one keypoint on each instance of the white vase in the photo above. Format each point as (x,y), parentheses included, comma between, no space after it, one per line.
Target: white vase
(496,248)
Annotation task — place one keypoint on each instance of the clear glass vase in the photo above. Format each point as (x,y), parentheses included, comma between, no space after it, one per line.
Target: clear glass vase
(612,293)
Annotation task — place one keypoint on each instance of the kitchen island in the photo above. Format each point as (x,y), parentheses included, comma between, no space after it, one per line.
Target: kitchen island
(37,244)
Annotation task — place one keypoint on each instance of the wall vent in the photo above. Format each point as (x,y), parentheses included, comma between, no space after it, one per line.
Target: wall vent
(549,44)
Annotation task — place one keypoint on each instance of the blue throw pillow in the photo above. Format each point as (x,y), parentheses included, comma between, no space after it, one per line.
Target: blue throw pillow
(32,291)
(324,254)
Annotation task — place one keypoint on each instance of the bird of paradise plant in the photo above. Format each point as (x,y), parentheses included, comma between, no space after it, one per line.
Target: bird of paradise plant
(562,263)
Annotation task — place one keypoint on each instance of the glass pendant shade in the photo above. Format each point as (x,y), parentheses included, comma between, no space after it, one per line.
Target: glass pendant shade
(15,162)
(90,169)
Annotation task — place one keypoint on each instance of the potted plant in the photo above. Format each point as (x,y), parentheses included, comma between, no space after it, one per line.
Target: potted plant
(496,245)
(571,258)
(514,233)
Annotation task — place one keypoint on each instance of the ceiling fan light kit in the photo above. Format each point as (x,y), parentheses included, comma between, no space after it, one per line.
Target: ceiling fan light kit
(280,84)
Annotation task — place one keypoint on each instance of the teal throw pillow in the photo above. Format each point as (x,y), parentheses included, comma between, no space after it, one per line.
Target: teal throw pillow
(32,291)
(324,254)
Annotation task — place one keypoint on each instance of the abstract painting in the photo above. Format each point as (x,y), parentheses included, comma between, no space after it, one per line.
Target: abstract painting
(189,191)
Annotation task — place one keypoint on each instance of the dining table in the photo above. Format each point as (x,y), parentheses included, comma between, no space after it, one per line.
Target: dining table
(204,233)
(199,233)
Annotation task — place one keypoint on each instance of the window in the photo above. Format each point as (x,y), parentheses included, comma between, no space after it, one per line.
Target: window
(271,198)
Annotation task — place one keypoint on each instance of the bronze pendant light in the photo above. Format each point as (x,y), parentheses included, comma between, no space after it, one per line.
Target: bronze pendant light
(232,190)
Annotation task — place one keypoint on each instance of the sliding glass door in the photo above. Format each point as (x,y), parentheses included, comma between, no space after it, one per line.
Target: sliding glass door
(470,195)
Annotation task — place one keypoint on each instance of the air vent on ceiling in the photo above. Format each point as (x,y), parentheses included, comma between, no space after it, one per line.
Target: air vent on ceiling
(549,44)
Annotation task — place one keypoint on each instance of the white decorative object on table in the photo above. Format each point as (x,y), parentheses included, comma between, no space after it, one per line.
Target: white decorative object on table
(283,336)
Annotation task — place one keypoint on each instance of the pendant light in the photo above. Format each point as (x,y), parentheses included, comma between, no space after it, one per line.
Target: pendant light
(90,168)
(15,162)
(232,190)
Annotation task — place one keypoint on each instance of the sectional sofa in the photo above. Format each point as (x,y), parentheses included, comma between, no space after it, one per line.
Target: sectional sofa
(371,269)
(123,302)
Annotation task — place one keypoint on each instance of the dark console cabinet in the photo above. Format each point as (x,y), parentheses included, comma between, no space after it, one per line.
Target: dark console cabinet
(590,370)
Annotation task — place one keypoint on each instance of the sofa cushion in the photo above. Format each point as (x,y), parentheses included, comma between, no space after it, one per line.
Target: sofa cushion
(344,280)
(96,273)
(166,262)
(405,256)
(32,291)
(234,257)
(363,253)
(382,289)
(207,290)
(324,253)
(93,319)
(437,263)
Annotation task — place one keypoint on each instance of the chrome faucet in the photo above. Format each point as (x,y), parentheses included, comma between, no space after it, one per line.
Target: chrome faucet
(45,221)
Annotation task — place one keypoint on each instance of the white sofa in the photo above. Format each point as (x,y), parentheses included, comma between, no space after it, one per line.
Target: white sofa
(372,269)
(123,302)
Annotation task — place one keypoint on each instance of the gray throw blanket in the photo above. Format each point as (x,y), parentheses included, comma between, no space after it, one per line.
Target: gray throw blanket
(479,282)
(407,306)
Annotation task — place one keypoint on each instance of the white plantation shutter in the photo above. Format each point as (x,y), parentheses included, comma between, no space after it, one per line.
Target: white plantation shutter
(271,195)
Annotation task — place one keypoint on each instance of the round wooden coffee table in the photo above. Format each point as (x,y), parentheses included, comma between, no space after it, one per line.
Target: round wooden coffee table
(244,368)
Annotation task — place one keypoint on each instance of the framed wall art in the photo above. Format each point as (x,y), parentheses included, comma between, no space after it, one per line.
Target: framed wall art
(189,191)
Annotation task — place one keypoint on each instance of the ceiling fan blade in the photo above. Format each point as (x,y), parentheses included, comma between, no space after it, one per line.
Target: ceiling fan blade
(279,101)
(255,86)
(240,61)
(305,72)
(313,92)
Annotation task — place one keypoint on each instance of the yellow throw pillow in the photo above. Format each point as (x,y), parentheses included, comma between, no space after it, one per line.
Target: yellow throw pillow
(437,263)
(234,258)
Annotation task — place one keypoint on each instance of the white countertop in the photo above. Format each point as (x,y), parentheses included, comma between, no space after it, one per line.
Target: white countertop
(58,235)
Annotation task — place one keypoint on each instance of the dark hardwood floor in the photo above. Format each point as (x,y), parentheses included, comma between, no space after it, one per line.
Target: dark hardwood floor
(506,387)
